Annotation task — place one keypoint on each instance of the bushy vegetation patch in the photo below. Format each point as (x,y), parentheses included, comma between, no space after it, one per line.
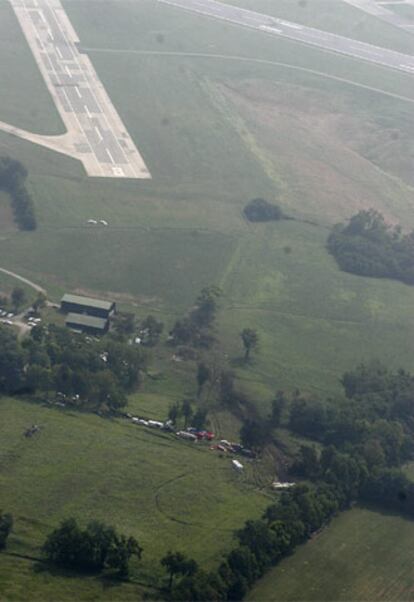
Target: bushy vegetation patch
(96,548)
(260,210)
(12,180)
(368,246)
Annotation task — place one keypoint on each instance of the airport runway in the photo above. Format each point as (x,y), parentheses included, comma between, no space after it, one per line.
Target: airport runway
(95,132)
(300,33)
(381,11)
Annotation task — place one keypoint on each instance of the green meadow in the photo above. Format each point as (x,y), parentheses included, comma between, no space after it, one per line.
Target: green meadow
(362,555)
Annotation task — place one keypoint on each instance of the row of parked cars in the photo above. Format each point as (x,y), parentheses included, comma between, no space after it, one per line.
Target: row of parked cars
(155,424)
(233,448)
(6,314)
(191,433)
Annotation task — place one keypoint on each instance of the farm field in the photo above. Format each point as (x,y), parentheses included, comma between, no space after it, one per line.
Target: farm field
(165,492)
(362,555)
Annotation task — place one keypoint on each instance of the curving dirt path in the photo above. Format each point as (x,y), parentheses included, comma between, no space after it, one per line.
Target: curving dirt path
(246,59)
(25,280)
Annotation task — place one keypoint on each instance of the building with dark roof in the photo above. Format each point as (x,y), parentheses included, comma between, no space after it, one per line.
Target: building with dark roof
(86,305)
(87,324)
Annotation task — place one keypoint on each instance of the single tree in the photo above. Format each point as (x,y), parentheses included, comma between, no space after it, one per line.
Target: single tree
(18,297)
(250,340)
(186,411)
(39,302)
(278,405)
(6,525)
(173,412)
(199,419)
(255,434)
(124,323)
(151,330)
(178,564)
(203,375)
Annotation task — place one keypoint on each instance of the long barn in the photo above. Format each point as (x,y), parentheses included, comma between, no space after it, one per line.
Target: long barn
(76,304)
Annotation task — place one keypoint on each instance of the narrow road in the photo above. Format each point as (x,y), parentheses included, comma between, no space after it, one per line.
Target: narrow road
(25,280)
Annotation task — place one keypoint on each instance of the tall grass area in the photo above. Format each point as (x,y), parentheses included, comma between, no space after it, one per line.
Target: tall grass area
(362,555)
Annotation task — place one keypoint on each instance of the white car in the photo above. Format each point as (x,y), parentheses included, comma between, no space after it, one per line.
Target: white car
(92,221)
(103,222)
(10,315)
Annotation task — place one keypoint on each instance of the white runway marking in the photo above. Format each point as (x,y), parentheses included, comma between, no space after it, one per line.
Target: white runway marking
(54,45)
(98,133)
(108,152)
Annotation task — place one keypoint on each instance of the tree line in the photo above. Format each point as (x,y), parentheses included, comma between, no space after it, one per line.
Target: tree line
(366,436)
(368,246)
(12,180)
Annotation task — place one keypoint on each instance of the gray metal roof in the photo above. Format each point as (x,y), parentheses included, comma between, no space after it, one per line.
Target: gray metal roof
(84,320)
(87,301)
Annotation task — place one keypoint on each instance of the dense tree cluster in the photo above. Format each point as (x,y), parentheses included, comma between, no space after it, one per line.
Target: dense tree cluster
(195,329)
(260,210)
(12,180)
(96,548)
(367,436)
(85,372)
(367,246)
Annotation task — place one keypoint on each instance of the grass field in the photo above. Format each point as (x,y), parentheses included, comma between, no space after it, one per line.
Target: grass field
(22,84)
(362,555)
(167,493)
(221,115)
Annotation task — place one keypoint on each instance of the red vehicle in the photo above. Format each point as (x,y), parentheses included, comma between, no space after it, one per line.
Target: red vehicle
(208,435)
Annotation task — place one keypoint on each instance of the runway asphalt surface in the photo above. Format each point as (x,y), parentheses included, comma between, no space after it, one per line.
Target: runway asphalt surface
(300,33)
(95,133)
